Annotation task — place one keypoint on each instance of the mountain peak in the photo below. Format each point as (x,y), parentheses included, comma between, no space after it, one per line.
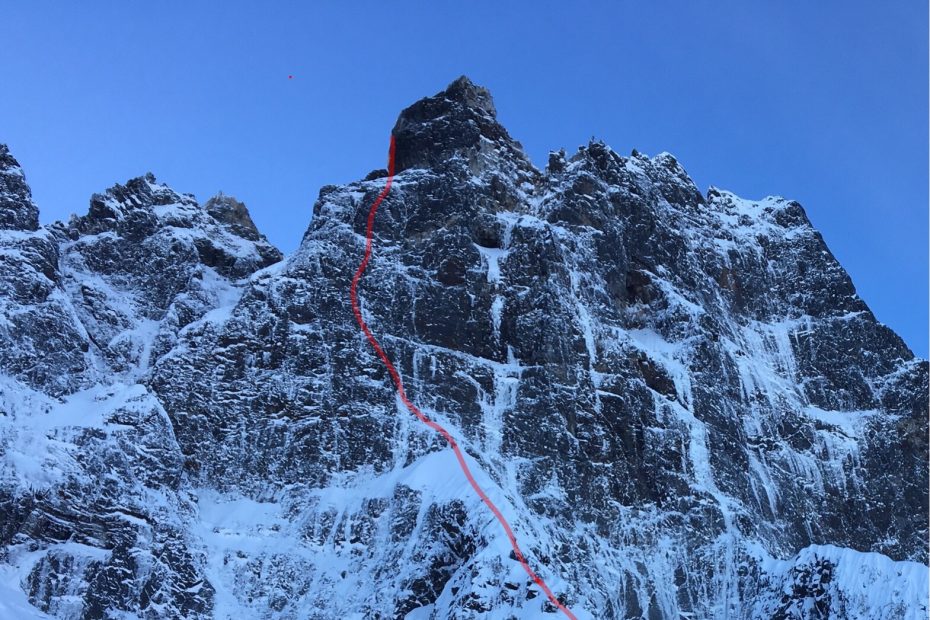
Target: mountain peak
(471,95)
(234,214)
(617,354)
(458,123)
(130,204)
(17,210)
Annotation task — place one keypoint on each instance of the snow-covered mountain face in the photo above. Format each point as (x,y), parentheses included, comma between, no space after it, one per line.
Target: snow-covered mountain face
(677,400)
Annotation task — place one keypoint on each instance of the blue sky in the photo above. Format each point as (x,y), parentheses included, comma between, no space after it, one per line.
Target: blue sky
(823,102)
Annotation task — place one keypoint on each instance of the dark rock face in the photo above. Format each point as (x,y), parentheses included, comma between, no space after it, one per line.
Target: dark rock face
(457,129)
(678,400)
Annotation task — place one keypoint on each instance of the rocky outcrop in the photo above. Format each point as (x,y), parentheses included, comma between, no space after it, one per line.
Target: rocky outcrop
(677,399)
(93,490)
(17,210)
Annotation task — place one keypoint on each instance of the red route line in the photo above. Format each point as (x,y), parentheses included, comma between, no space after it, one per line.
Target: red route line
(353,294)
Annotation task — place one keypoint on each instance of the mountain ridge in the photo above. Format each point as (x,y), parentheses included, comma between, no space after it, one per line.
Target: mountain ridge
(678,399)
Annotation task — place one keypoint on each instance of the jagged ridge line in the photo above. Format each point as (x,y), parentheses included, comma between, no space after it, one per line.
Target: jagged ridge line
(395,376)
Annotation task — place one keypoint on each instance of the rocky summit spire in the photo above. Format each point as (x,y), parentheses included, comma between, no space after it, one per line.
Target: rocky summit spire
(17,210)
(471,95)
(459,123)
(234,214)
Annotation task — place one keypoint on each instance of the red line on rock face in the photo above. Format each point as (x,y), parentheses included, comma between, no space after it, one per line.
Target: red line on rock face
(353,294)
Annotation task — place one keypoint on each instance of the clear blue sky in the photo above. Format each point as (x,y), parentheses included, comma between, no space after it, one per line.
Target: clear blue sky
(824,102)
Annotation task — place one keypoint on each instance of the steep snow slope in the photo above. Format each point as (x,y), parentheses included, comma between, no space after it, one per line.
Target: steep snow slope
(677,400)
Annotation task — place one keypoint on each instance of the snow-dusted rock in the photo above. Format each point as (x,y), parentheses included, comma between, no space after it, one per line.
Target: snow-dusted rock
(17,210)
(677,400)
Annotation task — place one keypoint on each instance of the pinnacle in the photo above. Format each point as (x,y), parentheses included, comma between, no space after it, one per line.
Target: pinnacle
(470,95)
(17,210)
(227,210)
(458,122)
